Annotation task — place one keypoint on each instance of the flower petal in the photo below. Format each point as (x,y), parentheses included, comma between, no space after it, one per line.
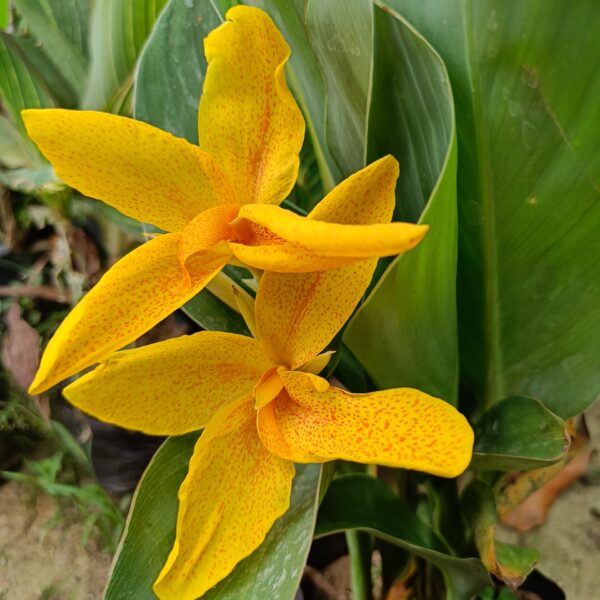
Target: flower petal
(402,428)
(234,491)
(143,171)
(297,315)
(248,119)
(312,245)
(171,387)
(135,294)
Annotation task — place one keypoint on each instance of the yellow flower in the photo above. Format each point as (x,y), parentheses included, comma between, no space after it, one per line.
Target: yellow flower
(264,407)
(218,201)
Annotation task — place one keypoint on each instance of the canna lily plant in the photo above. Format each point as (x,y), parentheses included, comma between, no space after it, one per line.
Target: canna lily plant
(263,408)
(217,202)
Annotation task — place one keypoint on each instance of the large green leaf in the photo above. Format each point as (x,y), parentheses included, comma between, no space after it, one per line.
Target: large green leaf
(344,49)
(118,32)
(526,87)
(60,27)
(273,570)
(518,433)
(361,502)
(405,332)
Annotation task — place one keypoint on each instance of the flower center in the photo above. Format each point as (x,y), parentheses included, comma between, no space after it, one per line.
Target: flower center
(268,386)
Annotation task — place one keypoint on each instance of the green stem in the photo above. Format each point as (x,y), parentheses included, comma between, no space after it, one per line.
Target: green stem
(359,549)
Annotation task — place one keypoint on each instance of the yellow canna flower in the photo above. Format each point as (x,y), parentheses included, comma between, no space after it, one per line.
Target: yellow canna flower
(218,201)
(264,407)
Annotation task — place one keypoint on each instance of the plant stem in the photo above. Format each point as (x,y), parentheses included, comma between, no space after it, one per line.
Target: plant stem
(359,549)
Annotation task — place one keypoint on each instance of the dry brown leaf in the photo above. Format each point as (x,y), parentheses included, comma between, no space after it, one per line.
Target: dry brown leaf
(534,510)
(20,347)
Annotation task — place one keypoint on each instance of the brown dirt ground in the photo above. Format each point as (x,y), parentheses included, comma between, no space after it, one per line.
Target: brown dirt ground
(41,555)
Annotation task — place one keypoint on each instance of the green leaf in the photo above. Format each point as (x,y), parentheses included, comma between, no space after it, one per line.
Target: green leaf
(150,532)
(210,313)
(517,434)
(118,32)
(172,66)
(344,51)
(52,22)
(360,502)
(19,88)
(15,150)
(4,13)
(41,67)
(526,88)
(405,332)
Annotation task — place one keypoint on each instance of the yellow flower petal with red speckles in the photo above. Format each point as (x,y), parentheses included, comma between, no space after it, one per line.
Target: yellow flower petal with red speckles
(171,387)
(402,428)
(140,290)
(298,314)
(234,491)
(248,119)
(142,171)
(280,240)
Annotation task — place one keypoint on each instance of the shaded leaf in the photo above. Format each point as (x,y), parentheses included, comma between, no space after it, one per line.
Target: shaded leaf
(358,501)
(518,433)
(50,21)
(344,51)
(117,33)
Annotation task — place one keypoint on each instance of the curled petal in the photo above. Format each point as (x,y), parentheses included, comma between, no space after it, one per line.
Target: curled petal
(280,240)
(171,387)
(402,428)
(234,491)
(144,172)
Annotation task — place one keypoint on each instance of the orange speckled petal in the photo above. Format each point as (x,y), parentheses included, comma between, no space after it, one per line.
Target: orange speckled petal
(402,428)
(140,290)
(248,119)
(146,173)
(234,491)
(297,315)
(171,387)
(312,245)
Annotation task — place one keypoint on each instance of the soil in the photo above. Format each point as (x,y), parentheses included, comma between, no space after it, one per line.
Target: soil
(42,556)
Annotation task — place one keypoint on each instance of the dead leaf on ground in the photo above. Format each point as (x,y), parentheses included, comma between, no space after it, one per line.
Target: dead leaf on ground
(20,347)
(534,510)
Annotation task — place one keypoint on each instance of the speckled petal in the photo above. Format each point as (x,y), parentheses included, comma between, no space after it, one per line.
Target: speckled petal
(234,491)
(146,173)
(140,290)
(402,428)
(297,315)
(171,387)
(248,118)
(280,240)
